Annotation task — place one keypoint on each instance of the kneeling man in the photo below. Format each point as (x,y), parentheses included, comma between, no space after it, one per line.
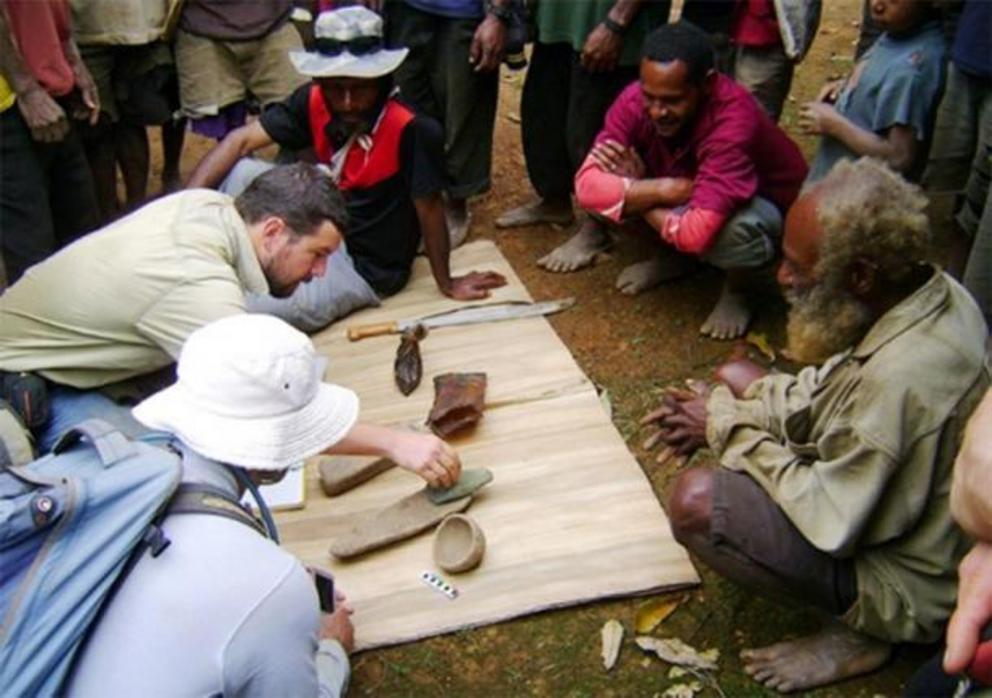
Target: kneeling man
(835,482)
(387,160)
(688,156)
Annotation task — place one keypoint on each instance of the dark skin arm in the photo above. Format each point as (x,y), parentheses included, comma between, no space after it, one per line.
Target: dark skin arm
(601,50)
(897,146)
(681,418)
(651,197)
(489,41)
(85,84)
(216,164)
(46,120)
(472,286)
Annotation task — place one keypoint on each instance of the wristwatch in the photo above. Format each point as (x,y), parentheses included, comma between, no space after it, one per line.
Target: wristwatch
(501,12)
(614,26)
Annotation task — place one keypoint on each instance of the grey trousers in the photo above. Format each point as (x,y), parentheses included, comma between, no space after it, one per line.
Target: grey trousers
(961,162)
(438,78)
(749,240)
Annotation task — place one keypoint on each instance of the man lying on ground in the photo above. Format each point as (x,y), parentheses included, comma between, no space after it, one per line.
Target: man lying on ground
(835,483)
(223,610)
(387,160)
(95,319)
(688,157)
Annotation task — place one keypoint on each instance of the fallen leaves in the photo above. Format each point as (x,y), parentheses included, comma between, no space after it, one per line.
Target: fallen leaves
(651,615)
(674,651)
(612,633)
(683,690)
(760,342)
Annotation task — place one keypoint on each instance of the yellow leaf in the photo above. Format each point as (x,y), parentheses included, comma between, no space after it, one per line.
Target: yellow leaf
(650,616)
(760,342)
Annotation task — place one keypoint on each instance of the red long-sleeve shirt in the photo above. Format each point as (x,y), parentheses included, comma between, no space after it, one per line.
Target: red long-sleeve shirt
(733,152)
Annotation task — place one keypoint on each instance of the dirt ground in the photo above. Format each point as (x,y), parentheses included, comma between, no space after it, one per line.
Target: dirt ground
(631,347)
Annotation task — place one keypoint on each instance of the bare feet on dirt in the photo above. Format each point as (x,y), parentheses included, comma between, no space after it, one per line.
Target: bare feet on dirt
(730,317)
(578,251)
(833,654)
(661,267)
(537,212)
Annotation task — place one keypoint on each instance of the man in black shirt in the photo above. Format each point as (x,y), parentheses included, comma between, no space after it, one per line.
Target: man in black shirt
(386,158)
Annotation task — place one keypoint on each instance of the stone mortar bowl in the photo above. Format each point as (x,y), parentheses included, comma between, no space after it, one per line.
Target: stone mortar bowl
(459,544)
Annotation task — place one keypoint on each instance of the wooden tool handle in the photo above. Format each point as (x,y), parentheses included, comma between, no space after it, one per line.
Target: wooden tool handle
(357,332)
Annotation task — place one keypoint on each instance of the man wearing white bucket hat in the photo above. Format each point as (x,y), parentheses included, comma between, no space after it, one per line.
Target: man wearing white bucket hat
(222,610)
(386,158)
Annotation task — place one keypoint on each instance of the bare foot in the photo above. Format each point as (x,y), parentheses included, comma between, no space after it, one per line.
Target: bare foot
(730,317)
(535,212)
(661,267)
(578,251)
(833,654)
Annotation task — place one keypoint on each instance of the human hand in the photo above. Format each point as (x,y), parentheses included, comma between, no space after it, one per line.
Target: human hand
(338,625)
(474,285)
(680,421)
(830,91)
(45,118)
(488,43)
(601,51)
(428,456)
(618,159)
(89,93)
(815,118)
(973,611)
(675,190)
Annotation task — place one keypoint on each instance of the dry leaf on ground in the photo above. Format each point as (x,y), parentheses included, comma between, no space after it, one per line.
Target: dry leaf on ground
(683,690)
(651,615)
(612,637)
(760,342)
(674,651)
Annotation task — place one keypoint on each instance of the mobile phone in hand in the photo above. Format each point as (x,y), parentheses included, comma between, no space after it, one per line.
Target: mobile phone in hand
(325,590)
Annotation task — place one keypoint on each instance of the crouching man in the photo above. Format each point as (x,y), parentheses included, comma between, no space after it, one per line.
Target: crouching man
(223,610)
(834,483)
(689,158)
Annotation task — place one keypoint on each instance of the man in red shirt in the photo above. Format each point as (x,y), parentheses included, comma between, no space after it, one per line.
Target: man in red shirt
(689,156)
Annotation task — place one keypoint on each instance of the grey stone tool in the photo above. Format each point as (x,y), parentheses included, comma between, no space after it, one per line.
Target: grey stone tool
(405,518)
(338,474)
(471,480)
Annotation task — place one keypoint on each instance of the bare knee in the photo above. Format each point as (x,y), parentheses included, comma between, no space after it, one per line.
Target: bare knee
(690,504)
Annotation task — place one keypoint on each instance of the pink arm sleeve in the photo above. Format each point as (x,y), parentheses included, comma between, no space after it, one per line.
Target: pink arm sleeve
(691,230)
(600,192)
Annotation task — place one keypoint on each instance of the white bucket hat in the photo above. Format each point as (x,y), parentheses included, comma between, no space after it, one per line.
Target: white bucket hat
(349,45)
(250,394)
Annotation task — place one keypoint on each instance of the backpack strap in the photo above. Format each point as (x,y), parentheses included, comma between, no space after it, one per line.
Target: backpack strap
(198,498)
(110,444)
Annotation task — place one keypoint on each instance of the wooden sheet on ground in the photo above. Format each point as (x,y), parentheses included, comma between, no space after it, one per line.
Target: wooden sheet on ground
(569,517)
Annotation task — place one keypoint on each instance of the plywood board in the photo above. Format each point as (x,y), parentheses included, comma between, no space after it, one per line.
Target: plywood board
(569,517)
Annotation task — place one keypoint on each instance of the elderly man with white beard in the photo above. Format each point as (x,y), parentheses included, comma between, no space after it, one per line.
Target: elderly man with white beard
(833,486)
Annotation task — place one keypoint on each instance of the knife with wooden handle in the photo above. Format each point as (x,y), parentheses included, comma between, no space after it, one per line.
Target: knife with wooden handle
(469,315)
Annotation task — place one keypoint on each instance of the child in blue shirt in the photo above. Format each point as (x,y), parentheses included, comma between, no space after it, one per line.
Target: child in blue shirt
(886,106)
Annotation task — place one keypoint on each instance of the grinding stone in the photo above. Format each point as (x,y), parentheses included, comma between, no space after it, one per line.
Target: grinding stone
(339,474)
(471,480)
(399,521)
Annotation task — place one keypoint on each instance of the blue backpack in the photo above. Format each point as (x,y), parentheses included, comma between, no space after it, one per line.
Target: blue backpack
(72,524)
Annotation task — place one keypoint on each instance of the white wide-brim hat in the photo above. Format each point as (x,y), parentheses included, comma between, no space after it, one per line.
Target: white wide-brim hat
(250,394)
(346,29)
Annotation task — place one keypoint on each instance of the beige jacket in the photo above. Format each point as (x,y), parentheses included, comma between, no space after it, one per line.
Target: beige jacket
(858,453)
